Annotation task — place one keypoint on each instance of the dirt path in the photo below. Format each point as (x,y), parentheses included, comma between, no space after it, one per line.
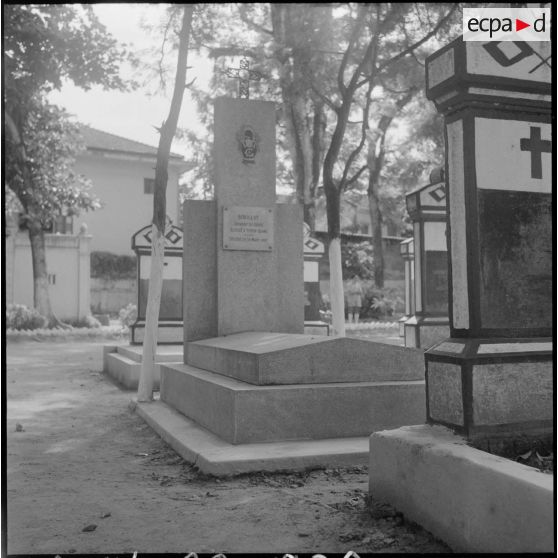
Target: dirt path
(80,459)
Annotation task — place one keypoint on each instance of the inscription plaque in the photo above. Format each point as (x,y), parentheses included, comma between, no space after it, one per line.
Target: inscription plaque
(248,228)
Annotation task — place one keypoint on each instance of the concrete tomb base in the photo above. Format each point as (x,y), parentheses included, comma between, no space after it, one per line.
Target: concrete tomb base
(472,500)
(168,333)
(260,392)
(123,362)
(214,456)
(316,328)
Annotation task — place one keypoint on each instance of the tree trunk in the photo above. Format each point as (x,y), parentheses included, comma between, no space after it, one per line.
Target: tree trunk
(375,162)
(168,129)
(296,100)
(377,245)
(41,296)
(337,295)
(318,134)
(41,299)
(145,387)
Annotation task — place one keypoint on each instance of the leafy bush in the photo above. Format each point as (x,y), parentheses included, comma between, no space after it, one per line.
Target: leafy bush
(105,265)
(357,258)
(381,303)
(128,315)
(19,316)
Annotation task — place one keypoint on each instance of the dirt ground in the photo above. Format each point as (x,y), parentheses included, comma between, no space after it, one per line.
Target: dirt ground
(87,475)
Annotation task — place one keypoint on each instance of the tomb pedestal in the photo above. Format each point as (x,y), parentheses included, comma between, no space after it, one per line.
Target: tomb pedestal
(493,378)
(490,384)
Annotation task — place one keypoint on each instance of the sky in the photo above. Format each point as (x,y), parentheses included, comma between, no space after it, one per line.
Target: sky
(134,114)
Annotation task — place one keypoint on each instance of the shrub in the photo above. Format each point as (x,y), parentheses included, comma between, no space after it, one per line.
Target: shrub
(88,321)
(19,316)
(105,265)
(381,303)
(357,258)
(128,315)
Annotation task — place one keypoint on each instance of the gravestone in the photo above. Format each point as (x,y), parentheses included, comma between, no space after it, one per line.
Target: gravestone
(170,313)
(243,262)
(427,209)
(492,380)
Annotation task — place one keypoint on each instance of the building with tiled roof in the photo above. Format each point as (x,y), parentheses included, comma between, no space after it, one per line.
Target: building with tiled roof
(97,140)
(122,172)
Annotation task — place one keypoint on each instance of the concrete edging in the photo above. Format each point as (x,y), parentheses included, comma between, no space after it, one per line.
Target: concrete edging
(472,500)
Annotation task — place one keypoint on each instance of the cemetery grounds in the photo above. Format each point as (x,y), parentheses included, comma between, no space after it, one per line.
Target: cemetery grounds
(86,475)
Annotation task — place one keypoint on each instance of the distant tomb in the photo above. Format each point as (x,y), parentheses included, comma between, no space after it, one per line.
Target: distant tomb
(427,209)
(123,362)
(407,251)
(170,313)
(314,251)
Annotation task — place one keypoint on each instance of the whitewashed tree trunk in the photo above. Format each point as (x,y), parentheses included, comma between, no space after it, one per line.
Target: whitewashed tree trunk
(167,131)
(146,381)
(336,294)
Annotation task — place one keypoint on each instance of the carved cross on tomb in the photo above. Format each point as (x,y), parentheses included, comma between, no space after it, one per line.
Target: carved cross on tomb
(537,147)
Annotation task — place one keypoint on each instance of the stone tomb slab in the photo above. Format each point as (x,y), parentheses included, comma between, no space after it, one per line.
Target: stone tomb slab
(265,358)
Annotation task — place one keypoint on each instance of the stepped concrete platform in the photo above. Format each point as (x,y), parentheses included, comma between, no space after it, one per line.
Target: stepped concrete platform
(242,413)
(275,401)
(264,358)
(214,456)
(123,362)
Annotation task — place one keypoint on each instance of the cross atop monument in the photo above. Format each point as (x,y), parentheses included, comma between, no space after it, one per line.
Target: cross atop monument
(244,75)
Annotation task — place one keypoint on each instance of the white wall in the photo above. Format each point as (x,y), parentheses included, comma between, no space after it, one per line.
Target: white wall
(118,182)
(68,265)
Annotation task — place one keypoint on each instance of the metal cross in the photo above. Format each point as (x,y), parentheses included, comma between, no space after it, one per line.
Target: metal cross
(244,75)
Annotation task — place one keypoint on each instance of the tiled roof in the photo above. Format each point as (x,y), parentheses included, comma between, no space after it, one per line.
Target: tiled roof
(103,141)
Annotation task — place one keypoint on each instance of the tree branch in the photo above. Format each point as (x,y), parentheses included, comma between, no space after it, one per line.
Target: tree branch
(348,52)
(322,97)
(355,177)
(251,23)
(414,46)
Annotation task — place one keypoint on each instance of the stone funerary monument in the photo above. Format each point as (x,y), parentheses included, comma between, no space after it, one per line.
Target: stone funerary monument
(254,392)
